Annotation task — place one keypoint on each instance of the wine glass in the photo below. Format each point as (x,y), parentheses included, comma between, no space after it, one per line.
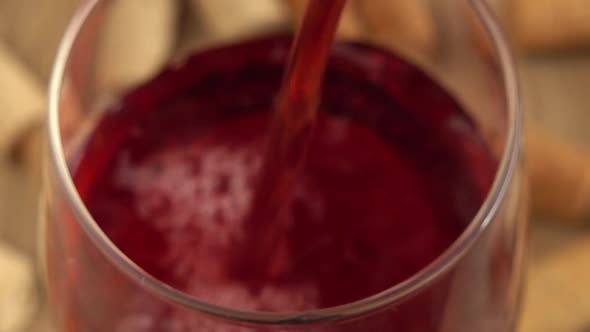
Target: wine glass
(474,285)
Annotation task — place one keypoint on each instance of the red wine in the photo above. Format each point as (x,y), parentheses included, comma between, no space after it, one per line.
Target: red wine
(394,172)
(290,132)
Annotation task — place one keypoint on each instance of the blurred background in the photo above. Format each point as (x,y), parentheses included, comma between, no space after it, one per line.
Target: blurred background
(550,39)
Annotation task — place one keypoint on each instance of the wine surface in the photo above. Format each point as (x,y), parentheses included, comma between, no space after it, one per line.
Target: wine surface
(394,172)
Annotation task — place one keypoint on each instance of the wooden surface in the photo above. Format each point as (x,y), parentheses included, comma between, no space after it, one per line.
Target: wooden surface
(557,298)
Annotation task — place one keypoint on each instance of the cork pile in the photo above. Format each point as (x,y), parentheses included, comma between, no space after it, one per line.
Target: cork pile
(30,31)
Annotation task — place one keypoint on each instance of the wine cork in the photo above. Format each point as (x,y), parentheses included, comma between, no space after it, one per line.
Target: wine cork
(22,100)
(137,40)
(34,28)
(560,177)
(226,20)
(351,26)
(399,23)
(18,302)
(549,24)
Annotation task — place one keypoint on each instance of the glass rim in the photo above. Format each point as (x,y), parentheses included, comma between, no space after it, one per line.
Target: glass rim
(485,215)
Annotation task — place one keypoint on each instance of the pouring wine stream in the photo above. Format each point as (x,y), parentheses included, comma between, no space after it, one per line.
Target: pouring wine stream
(291,132)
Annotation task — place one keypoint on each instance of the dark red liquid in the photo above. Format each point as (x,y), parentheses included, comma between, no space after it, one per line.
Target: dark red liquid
(394,173)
